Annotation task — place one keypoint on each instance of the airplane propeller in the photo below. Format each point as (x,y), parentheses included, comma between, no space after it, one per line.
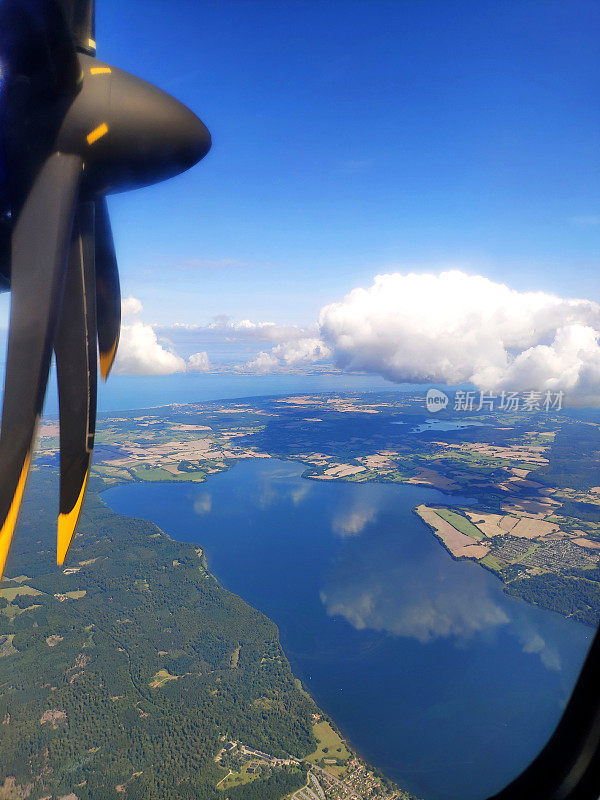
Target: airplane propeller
(72,130)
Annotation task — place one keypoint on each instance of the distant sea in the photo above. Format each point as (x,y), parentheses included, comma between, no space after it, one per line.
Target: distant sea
(128,392)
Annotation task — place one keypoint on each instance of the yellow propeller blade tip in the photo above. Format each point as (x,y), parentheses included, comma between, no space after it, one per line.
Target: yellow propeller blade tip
(67,523)
(10,523)
(107,360)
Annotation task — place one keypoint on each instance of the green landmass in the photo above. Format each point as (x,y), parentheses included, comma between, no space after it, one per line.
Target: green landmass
(128,672)
(460,522)
(132,671)
(330,746)
(128,682)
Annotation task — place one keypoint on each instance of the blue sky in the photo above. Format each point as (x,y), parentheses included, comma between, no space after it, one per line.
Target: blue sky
(352,138)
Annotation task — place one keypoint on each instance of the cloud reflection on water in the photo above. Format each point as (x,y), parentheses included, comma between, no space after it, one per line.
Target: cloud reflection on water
(371,587)
(352,521)
(276,487)
(534,643)
(203,503)
(434,612)
(300,493)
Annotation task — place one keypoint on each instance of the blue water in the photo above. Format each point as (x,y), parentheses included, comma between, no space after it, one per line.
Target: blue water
(127,392)
(444,425)
(431,671)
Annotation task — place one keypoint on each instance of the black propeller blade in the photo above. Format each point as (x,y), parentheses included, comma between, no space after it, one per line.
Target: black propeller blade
(76,366)
(39,246)
(41,77)
(81,19)
(36,45)
(108,290)
(72,130)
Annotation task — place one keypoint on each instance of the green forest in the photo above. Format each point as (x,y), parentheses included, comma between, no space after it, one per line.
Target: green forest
(81,708)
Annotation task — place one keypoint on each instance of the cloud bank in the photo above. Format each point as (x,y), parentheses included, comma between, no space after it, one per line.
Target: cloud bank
(141,353)
(222,327)
(453,328)
(198,362)
(299,351)
(448,328)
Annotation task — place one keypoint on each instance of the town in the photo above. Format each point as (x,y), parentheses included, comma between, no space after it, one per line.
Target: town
(326,778)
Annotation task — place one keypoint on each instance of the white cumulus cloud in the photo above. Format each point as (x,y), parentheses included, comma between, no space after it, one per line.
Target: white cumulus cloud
(305,350)
(140,352)
(199,362)
(448,328)
(131,306)
(455,328)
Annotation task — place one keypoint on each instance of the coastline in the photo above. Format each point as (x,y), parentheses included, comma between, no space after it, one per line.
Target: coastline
(244,559)
(495,573)
(357,760)
(137,626)
(308,476)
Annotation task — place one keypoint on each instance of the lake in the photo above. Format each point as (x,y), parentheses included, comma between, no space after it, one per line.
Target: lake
(434,675)
(445,425)
(123,392)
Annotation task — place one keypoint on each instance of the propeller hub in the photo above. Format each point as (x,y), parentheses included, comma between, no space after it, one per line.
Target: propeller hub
(129,133)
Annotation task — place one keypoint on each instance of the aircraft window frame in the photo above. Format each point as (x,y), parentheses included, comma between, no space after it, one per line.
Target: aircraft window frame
(568,767)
